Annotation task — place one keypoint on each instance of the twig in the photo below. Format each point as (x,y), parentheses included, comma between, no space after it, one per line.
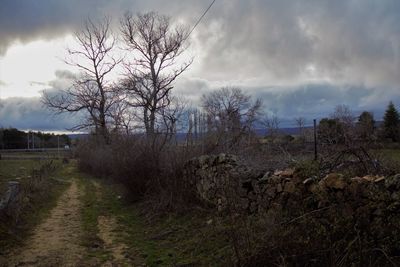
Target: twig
(308,213)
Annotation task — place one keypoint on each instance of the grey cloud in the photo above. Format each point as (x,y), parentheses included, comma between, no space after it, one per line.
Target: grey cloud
(29,113)
(63,80)
(354,46)
(345,41)
(26,20)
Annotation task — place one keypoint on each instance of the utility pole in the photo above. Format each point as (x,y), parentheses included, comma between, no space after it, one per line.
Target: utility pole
(33,140)
(28,140)
(58,146)
(315,140)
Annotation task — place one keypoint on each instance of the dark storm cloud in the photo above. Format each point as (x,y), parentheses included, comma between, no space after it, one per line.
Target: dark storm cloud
(26,20)
(345,41)
(29,113)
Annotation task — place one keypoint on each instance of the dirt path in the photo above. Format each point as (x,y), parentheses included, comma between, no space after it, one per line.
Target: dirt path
(56,242)
(108,233)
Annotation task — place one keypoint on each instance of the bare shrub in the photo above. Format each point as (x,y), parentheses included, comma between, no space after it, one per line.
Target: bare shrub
(94,157)
(147,171)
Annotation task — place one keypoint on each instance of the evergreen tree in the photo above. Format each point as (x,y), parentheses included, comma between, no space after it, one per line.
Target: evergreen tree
(391,123)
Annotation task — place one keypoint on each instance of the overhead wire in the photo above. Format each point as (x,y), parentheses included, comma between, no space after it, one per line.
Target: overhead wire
(200,19)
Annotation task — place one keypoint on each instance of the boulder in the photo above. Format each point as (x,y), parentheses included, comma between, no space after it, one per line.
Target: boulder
(287,173)
(393,182)
(333,181)
(290,187)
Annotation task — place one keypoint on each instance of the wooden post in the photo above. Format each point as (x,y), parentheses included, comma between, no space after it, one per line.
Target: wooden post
(315,140)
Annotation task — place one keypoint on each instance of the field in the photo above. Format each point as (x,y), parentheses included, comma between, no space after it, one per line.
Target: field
(15,170)
(15,154)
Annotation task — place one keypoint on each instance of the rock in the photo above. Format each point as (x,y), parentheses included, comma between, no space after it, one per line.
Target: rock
(369,178)
(334,180)
(270,192)
(253,207)
(287,173)
(373,178)
(279,188)
(393,182)
(379,179)
(290,187)
(244,203)
(274,179)
(221,158)
(395,196)
(314,188)
(357,180)
(308,181)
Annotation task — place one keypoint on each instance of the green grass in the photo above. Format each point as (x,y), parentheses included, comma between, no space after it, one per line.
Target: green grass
(90,212)
(393,154)
(170,240)
(34,155)
(15,170)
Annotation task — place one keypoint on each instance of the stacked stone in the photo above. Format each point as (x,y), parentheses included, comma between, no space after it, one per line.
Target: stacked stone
(227,183)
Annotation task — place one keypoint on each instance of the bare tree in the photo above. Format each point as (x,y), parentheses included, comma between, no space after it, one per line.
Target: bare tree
(155,45)
(300,122)
(366,127)
(272,122)
(92,91)
(341,145)
(344,115)
(231,114)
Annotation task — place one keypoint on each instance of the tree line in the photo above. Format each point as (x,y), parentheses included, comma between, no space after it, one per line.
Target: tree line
(12,138)
(342,123)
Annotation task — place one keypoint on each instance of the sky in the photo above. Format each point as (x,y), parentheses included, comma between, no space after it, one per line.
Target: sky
(302,58)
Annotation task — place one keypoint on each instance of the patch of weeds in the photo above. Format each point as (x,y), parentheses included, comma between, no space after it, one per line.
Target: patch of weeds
(36,200)
(307,168)
(192,239)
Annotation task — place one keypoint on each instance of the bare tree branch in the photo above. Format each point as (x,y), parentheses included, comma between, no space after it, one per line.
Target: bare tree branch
(92,92)
(156,46)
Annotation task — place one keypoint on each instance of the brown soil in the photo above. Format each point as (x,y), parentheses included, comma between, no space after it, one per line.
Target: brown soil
(111,237)
(117,249)
(55,242)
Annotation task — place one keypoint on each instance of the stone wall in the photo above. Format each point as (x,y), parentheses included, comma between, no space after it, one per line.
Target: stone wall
(224,180)
(357,219)
(10,195)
